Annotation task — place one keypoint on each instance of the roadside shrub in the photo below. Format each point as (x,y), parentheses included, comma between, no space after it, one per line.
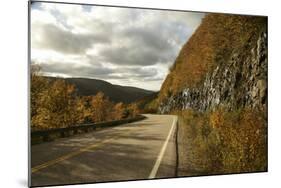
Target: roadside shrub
(227,141)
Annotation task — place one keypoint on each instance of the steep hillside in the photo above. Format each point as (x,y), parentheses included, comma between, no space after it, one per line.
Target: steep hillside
(223,63)
(218,89)
(116,93)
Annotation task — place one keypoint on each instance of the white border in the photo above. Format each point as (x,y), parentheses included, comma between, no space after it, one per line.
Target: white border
(13,99)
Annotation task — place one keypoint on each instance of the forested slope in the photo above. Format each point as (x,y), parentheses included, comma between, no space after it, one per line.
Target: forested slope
(218,87)
(222,45)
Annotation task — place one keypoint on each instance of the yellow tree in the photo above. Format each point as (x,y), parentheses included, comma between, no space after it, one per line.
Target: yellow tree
(84,109)
(57,106)
(38,85)
(133,110)
(118,111)
(101,108)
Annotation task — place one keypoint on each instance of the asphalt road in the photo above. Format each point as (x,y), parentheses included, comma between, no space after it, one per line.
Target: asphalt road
(139,150)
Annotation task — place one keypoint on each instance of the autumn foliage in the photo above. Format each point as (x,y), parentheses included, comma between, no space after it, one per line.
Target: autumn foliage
(211,44)
(218,140)
(222,141)
(55,104)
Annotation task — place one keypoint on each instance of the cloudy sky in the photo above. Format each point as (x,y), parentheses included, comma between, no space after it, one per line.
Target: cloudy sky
(133,47)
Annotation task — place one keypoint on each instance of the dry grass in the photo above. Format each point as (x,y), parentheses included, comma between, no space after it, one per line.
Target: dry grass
(224,142)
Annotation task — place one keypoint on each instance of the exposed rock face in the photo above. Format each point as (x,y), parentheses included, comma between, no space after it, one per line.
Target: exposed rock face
(239,82)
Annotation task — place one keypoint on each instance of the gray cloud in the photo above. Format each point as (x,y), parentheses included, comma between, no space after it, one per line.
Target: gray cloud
(70,69)
(148,37)
(117,44)
(133,55)
(142,46)
(100,72)
(60,40)
(147,45)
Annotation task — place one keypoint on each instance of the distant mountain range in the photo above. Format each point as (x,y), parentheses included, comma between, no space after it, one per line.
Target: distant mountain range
(116,93)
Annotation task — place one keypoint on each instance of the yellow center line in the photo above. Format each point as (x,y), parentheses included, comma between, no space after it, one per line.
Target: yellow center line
(67,156)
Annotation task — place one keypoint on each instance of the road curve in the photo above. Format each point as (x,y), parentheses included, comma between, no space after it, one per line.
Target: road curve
(139,150)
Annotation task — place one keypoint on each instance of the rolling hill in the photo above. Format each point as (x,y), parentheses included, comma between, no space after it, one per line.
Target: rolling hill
(116,93)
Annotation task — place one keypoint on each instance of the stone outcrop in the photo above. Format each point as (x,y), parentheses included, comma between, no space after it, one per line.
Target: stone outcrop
(239,82)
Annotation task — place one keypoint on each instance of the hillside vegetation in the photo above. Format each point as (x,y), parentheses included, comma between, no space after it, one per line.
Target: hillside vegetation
(218,88)
(221,141)
(211,44)
(56,104)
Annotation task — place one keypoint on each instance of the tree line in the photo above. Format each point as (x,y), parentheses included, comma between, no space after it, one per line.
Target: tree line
(55,104)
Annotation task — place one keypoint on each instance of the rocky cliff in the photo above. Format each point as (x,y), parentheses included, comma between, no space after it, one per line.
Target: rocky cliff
(239,81)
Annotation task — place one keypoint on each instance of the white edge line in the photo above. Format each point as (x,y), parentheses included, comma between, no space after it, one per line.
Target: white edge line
(161,154)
